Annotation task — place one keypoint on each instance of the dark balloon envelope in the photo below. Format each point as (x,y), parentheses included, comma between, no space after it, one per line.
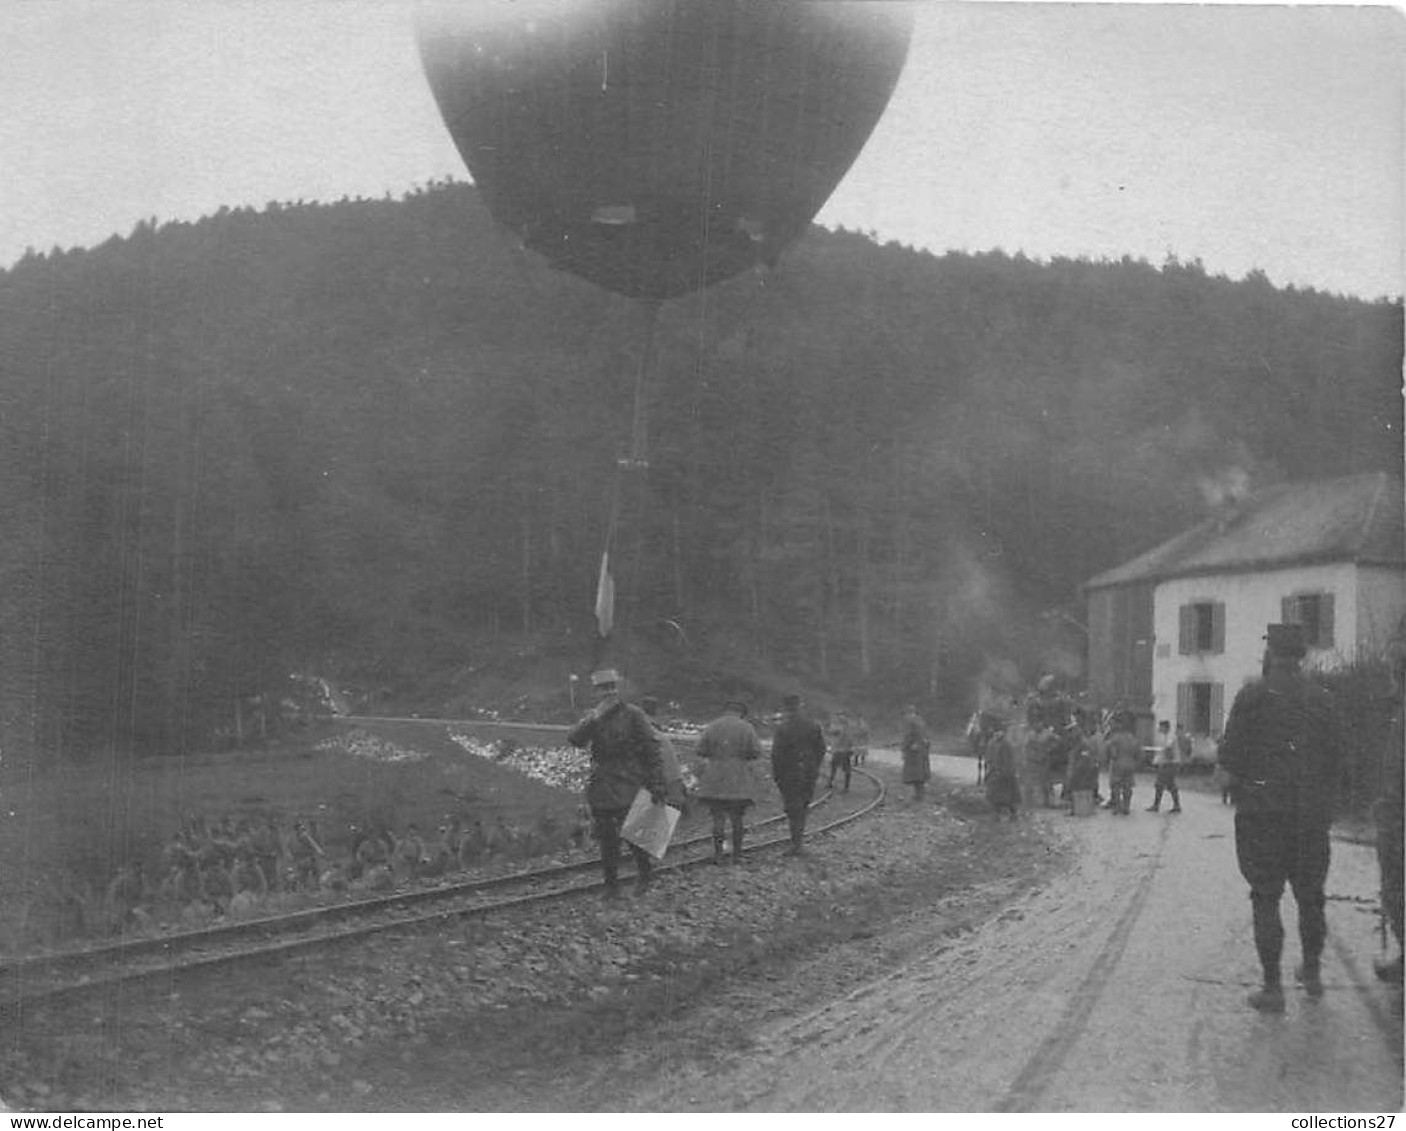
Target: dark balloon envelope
(658,146)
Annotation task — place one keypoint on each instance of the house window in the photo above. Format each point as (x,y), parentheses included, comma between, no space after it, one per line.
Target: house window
(1202,628)
(1315,612)
(1201,707)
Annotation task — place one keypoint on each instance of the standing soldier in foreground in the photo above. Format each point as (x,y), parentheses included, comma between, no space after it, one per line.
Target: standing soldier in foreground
(1390,815)
(728,746)
(624,759)
(797,749)
(1280,751)
(916,748)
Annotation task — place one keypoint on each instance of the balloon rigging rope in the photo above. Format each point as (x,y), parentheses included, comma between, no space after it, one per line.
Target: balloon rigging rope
(636,462)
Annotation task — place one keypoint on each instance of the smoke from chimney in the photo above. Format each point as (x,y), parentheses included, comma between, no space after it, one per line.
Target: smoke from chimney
(1223,493)
(1225,489)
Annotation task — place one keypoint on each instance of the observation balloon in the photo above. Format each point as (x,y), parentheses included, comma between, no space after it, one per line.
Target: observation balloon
(658,146)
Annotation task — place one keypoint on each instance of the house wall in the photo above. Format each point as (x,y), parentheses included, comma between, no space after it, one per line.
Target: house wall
(1252,601)
(1120,644)
(1381,603)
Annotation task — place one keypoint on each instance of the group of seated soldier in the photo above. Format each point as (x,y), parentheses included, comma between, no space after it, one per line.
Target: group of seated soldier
(232,865)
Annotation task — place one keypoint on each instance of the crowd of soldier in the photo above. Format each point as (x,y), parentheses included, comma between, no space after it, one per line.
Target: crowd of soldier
(1064,751)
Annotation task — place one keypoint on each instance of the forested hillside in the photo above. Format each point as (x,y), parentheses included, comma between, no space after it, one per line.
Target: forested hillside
(375,440)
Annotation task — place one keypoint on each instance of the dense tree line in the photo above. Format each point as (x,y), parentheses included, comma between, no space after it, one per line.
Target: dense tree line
(376,439)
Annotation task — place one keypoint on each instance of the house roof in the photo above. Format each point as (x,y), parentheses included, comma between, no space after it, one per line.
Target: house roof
(1359,519)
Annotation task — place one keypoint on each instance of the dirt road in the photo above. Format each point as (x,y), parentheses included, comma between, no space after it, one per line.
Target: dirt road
(1119,987)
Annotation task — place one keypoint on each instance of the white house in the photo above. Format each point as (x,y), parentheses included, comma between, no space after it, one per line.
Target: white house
(1180,628)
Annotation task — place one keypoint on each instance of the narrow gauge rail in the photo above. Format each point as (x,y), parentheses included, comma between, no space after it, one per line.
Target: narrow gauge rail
(27,980)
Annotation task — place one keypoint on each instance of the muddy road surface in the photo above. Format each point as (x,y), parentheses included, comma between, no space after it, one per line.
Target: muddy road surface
(1118,986)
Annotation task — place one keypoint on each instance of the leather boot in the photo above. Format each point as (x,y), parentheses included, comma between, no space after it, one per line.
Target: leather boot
(1269,998)
(717,850)
(1310,978)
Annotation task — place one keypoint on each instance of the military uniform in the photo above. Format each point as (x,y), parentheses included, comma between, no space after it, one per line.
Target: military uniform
(842,750)
(797,749)
(625,758)
(1166,762)
(916,748)
(1002,782)
(1124,753)
(729,748)
(1048,714)
(1390,816)
(1281,753)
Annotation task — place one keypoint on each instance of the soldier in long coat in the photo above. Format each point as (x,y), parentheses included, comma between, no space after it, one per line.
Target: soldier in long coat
(729,749)
(625,758)
(797,749)
(1281,751)
(916,748)
(1002,780)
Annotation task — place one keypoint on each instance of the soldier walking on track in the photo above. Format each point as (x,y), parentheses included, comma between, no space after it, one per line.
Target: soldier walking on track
(797,749)
(1280,751)
(625,758)
(842,749)
(728,746)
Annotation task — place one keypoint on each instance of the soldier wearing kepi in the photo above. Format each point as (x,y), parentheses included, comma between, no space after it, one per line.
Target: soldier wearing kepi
(797,749)
(729,747)
(625,758)
(1281,753)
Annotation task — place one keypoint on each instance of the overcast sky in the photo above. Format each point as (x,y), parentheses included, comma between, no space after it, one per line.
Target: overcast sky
(1243,136)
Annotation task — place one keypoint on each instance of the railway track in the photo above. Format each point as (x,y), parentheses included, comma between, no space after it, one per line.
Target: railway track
(30,979)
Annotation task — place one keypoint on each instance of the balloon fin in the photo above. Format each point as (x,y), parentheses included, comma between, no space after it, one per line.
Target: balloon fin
(605,597)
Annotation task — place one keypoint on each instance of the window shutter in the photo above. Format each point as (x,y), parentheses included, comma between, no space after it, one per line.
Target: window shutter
(1184,705)
(1325,621)
(1218,627)
(1286,611)
(1186,639)
(1217,708)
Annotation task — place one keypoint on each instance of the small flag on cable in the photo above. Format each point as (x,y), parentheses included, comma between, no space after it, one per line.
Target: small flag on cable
(605,596)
